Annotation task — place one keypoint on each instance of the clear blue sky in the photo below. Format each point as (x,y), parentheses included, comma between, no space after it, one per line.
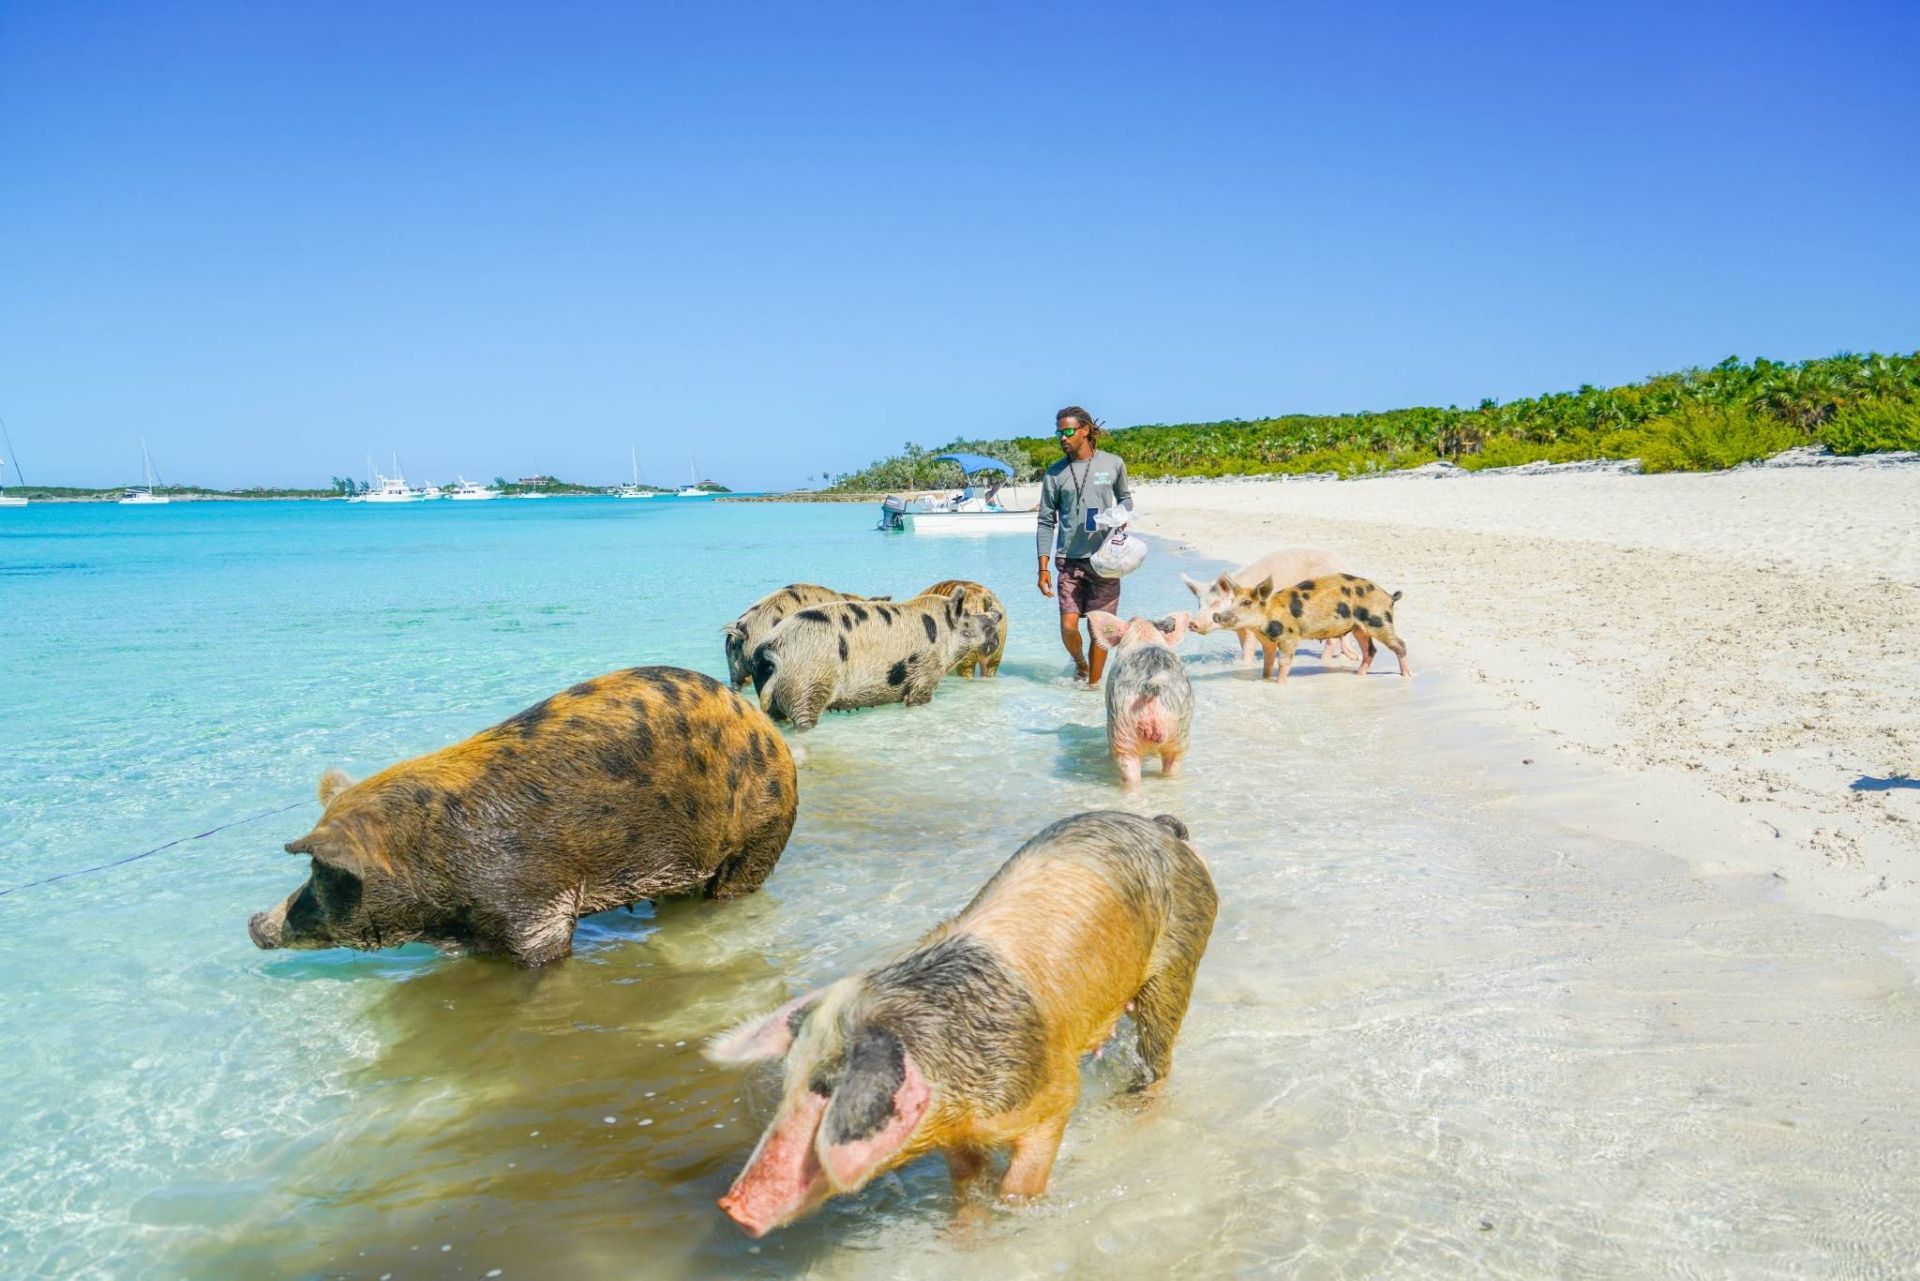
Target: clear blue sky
(515,238)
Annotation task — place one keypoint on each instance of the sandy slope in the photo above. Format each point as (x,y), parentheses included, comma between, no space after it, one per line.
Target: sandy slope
(1748,643)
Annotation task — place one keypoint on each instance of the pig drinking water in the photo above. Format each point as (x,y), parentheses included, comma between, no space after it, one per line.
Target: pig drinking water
(1314,609)
(1286,565)
(849,654)
(744,634)
(1149,699)
(972,1041)
(638,784)
(976,600)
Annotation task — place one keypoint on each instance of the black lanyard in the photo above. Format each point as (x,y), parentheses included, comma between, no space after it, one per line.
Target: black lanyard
(1079,486)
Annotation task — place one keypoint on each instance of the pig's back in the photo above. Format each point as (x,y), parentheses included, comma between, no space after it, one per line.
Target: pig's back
(1080,909)
(635,782)
(1288,565)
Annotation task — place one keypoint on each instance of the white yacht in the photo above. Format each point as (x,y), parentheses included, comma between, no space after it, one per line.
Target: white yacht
(143,495)
(468,492)
(5,501)
(633,490)
(386,489)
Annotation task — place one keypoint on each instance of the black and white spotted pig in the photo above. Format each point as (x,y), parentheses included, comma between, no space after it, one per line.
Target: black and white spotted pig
(850,654)
(744,634)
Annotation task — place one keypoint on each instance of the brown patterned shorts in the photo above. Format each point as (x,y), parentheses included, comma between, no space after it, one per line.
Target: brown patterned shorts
(1081,591)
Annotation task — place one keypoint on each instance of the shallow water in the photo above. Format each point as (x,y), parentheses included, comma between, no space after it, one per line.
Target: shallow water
(1439,1031)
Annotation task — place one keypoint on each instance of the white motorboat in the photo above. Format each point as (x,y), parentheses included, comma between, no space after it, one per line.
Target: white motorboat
(386,489)
(989,508)
(468,492)
(632,489)
(143,495)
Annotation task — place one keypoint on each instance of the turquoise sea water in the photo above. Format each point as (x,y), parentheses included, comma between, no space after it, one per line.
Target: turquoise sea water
(1428,1006)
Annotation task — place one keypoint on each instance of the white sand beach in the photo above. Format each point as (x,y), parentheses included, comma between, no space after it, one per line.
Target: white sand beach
(1744,646)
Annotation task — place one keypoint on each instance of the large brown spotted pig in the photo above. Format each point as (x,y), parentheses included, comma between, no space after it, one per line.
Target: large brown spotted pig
(977,600)
(638,784)
(744,634)
(1321,608)
(850,654)
(972,1041)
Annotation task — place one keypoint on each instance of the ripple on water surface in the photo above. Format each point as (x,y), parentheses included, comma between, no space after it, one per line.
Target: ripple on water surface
(1436,1033)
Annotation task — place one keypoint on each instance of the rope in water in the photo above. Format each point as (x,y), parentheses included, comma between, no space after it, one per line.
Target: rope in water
(135,858)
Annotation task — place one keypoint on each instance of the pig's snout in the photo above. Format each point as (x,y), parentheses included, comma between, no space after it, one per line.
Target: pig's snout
(266,929)
(1221,619)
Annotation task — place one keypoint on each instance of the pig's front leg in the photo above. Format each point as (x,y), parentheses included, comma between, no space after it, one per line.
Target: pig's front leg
(1247,643)
(545,933)
(1032,1164)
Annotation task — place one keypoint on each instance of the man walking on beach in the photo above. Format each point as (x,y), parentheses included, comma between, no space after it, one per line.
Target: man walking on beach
(1085,482)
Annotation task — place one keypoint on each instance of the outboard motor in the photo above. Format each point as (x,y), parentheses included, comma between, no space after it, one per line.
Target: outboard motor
(891,508)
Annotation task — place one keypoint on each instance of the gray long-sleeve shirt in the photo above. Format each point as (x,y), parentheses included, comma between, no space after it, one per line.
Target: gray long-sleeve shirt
(1072,489)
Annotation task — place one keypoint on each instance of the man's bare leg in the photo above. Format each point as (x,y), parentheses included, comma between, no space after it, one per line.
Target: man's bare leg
(1070,637)
(1099,664)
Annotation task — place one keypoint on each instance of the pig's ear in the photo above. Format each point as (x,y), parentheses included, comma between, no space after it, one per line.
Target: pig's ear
(1225,583)
(1264,590)
(345,843)
(768,1037)
(1107,628)
(1194,585)
(332,783)
(878,1104)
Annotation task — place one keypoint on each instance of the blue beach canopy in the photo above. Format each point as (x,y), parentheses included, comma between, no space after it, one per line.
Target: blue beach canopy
(971,463)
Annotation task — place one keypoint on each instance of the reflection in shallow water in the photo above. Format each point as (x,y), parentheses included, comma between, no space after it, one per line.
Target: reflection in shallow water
(1434,1034)
(1441,1029)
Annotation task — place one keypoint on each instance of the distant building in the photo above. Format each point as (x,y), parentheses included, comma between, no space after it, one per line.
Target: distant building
(535,482)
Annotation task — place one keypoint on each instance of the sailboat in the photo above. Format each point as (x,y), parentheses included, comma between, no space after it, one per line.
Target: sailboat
(633,490)
(143,495)
(4,500)
(693,489)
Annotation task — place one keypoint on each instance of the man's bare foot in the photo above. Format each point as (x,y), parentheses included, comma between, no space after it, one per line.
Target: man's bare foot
(1080,671)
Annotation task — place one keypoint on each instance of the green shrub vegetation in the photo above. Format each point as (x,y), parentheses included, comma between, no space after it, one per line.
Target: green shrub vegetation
(1694,420)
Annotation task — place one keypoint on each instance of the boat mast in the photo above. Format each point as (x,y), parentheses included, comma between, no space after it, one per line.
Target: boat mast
(8,437)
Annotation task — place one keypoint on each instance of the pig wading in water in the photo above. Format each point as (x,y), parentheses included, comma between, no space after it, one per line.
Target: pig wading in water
(861,654)
(1314,609)
(1149,699)
(744,634)
(1287,565)
(638,784)
(977,600)
(972,1041)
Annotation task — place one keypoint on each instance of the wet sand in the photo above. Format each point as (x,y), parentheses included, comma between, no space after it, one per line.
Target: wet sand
(1745,646)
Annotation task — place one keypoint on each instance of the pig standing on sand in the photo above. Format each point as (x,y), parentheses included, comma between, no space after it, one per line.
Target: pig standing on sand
(744,634)
(1287,565)
(851,654)
(972,1041)
(977,600)
(638,784)
(1149,699)
(1314,609)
